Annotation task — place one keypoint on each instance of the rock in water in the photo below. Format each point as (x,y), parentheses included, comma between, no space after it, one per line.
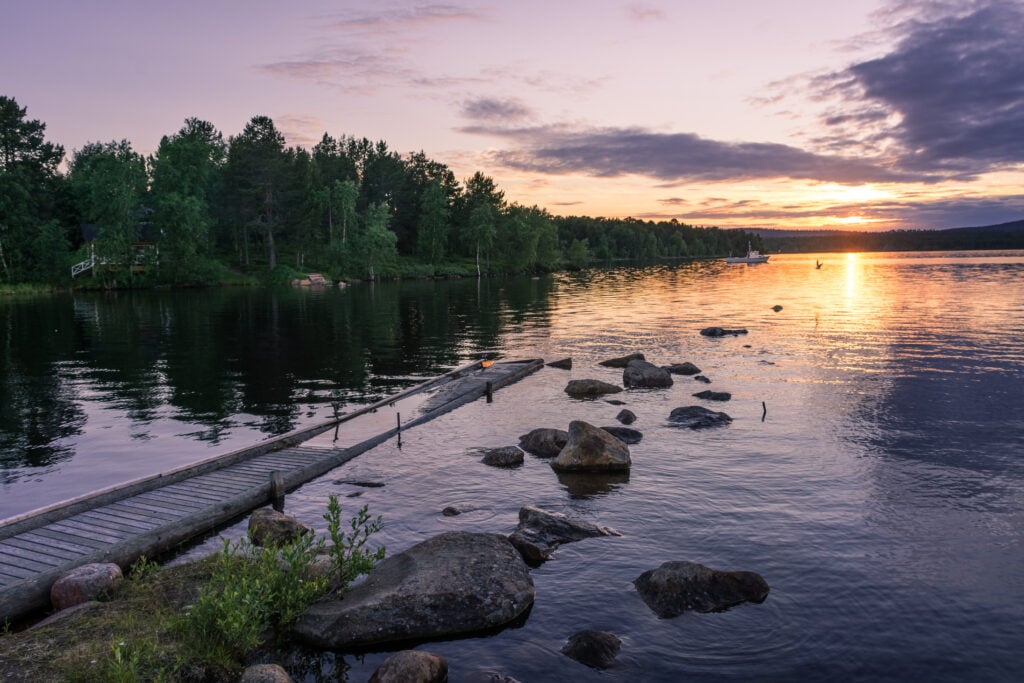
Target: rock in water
(683,369)
(776,308)
(540,532)
(596,649)
(508,456)
(721,331)
(564,364)
(85,583)
(591,449)
(411,666)
(675,587)
(543,442)
(626,417)
(697,417)
(702,378)
(640,374)
(268,527)
(453,584)
(626,435)
(265,673)
(714,395)
(622,361)
(590,388)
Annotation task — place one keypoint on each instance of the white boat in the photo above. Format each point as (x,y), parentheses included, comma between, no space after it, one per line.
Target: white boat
(753,256)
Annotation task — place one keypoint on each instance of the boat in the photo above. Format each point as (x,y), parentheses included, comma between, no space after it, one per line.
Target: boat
(753,256)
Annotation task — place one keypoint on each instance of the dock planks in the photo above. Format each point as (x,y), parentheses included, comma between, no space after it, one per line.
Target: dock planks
(155,514)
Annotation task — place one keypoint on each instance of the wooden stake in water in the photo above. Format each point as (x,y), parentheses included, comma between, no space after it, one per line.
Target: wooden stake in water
(490,392)
(764,411)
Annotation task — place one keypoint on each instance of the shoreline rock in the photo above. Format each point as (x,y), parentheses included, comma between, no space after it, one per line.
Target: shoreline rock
(676,587)
(640,374)
(457,583)
(544,442)
(590,388)
(591,449)
(540,532)
(697,417)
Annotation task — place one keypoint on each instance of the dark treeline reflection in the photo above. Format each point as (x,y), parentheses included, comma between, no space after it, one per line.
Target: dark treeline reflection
(226,357)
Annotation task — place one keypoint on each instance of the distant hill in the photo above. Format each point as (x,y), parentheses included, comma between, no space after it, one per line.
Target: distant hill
(1002,236)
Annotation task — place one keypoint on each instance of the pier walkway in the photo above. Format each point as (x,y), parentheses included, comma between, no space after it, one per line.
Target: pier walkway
(155,514)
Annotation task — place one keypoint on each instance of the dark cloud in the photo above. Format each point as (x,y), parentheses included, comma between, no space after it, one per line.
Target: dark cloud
(948,99)
(611,152)
(495,110)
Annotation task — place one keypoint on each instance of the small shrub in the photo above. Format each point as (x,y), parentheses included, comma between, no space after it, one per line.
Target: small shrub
(347,553)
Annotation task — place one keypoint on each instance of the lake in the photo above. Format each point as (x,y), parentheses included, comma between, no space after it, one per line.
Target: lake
(881,496)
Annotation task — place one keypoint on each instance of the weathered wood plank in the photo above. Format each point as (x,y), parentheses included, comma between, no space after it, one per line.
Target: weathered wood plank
(220,488)
(61,535)
(44,548)
(233,477)
(171,501)
(85,531)
(102,519)
(32,566)
(17,572)
(122,512)
(194,491)
(57,542)
(166,510)
(10,551)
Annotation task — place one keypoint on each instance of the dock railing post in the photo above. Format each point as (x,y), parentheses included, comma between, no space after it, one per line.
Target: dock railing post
(490,392)
(277,490)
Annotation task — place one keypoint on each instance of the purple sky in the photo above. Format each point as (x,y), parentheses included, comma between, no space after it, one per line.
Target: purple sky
(862,114)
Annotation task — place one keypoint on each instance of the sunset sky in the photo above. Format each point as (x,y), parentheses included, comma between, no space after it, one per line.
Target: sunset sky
(738,113)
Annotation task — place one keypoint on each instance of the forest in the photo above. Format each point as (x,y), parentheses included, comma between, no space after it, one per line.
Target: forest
(203,209)
(1002,236)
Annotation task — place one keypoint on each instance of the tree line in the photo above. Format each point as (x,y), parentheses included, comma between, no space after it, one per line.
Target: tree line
(349,207)
(1002,236)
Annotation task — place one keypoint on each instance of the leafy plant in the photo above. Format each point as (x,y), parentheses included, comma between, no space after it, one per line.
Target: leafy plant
(349,558)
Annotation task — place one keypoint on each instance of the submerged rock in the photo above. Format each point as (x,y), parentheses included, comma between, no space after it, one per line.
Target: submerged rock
(702,379)
(84,584)
(411,666)
(591,449)
(721,331)
(508,456)
(640,374)
(590,388)
(714,395)
(596,649)
(453,584)
(626,417)
(622,361)
(564,364)
(697,417)
(615,401)
(626,435)
(544,442)
(540,532)
(676,587)
(686,368)
(776,308)
(268,527)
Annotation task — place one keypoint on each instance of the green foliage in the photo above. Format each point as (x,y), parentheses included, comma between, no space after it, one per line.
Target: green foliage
(578,253)
(142,569)
(347,551)
(130,661)
(251,589)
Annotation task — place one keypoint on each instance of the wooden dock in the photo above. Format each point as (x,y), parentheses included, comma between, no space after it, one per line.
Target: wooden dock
(155,514)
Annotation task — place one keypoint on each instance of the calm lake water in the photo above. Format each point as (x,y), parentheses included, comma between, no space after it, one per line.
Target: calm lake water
(882,497)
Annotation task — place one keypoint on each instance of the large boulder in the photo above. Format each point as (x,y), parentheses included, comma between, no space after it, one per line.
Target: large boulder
(540,532)
(411,666)
(697,417)
(268,527)
(591,449)
(640,374)
(85,583)
(596,649)
(507,456)
(676,587)
(590,388)
(622,361)
(453,584)
(686,368)
(722,331)
(626,435)
(544,442)
(265,673)
(709,395)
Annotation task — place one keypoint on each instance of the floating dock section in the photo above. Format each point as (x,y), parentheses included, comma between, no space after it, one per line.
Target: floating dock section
(155,514)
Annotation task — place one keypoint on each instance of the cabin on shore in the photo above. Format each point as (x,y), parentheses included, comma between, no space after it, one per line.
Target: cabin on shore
(145,248)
